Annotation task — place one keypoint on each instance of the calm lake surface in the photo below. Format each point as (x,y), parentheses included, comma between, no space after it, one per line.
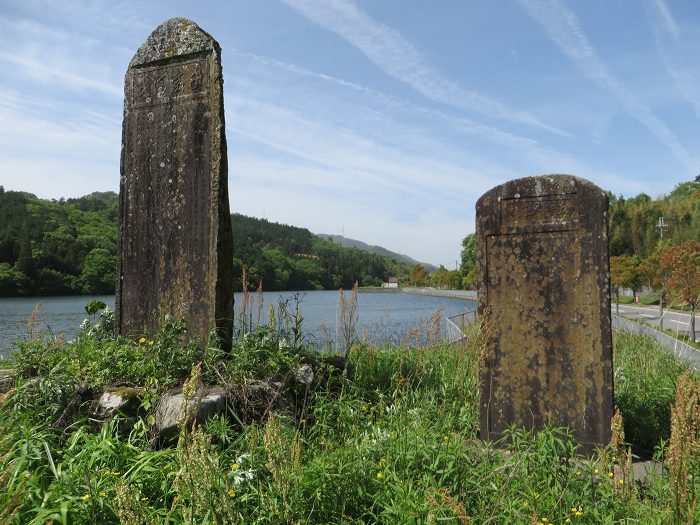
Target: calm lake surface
(382,317)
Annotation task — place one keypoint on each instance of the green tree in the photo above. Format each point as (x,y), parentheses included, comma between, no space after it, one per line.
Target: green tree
(439,277)
(99,272)
(419,275)
(624,273)
(656,276)
(468,254)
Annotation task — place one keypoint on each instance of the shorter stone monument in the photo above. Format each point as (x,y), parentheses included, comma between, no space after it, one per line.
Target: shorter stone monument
(544,300)
(175,251)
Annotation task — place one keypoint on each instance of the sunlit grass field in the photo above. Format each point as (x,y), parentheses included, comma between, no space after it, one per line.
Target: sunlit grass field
(392,439)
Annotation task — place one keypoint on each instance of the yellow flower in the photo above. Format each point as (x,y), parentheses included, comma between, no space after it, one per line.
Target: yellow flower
(103,494)
(231,493)
(579,513)
(610,474)
(537,495)
(382,462)
(621,481)
(234,466)
(596,471)
(573,509)
(578,472)
(567,520)
(525,503)
(115,473)
(144,498)
(142,341)
(380,475)
(445,438)
(86,497)
(150,342)
(544,520)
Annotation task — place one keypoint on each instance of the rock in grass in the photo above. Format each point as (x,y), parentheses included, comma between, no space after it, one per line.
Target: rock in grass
(206,404)
(123,400)
(7,380)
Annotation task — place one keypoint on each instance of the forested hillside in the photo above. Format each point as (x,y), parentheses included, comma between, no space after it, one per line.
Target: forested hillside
(291,258)
(68,247)
(633,221)
(57,247)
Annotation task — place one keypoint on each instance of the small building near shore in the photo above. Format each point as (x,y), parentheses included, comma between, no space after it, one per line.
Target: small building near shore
(392,283)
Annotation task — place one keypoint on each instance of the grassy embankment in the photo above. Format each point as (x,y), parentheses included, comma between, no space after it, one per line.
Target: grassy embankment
(393,442)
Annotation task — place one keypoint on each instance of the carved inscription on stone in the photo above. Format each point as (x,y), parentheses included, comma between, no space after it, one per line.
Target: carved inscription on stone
(538,214)
(172,83)
(175,246)
(543,270)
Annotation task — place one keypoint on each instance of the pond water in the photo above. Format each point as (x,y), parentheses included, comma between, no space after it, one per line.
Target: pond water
(382,317)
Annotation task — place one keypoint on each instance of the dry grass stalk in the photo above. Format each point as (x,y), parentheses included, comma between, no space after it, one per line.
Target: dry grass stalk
(624,483)
(33,321)
(432,327)
(683,448)
(347,320)
(260,300)
(271,320)
(246,300)
(440,498)
(283,454)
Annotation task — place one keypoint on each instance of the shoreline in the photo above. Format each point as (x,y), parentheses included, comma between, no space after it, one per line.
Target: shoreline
(465,295)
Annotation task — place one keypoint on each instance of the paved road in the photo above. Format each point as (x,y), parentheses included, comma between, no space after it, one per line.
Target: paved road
(676,321)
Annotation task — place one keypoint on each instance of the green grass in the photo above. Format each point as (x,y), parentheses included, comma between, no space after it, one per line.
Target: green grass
(396,444)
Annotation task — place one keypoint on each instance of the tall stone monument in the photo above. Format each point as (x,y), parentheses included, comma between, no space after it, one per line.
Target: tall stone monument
(544,298)
(175,246)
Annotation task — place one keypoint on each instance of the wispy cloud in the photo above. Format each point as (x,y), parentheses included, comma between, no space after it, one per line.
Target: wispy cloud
(563,27)
(42,71)
(669,22)
(675,56)
(397,57)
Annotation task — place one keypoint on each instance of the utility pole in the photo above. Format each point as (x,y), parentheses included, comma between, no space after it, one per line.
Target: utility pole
(661,227)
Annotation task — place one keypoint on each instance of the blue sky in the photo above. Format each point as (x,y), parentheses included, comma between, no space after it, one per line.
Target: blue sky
(383,120)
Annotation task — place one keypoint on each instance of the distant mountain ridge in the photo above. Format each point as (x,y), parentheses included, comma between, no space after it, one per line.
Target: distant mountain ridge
(354,243)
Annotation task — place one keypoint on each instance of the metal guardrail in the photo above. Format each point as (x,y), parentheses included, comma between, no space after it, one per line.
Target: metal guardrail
(455,325)
(679,348)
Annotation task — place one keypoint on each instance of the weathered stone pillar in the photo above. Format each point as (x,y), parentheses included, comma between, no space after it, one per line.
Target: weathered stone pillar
(544,298)
(175,244)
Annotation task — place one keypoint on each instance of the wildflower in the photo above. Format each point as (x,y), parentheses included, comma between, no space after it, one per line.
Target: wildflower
(103,494)
(621,481)
(144,498)
(150,343)
(380,475)
(596,471)
(231,493)
(382,462)
(525,503)
(544,520)
(86,497)
(445,438)
(567,520)
(578,472)
(115,473)
(234,466)
(142,341)
(610,474)
(537,495)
